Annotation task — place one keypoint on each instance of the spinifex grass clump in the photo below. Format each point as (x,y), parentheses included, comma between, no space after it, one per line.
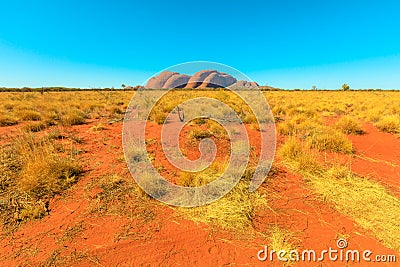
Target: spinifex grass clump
(7,120)
(73,117)
(299,125)
(367,202)
(282,239)
(120,196)
(298,158)
(325,138)
(389,124)
(234,211)
(349,125)
(29,115)
(31,174)
(35,126)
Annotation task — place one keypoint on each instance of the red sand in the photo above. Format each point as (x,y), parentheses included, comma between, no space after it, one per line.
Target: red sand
(170,240)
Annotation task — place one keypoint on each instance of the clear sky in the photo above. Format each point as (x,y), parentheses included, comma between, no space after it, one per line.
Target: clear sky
(282,43)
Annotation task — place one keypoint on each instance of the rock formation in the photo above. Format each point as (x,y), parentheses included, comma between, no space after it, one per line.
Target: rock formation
(158,81)
(244,85)
(177,81)
(201,79)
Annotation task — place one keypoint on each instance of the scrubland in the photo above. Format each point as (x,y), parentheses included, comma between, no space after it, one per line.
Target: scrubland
(45,157)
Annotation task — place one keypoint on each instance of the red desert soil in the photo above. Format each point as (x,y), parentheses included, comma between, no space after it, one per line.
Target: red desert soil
(376,156)
(71,235)
(379,156)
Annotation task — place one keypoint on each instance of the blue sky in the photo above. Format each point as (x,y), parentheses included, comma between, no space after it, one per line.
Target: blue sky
(286,43)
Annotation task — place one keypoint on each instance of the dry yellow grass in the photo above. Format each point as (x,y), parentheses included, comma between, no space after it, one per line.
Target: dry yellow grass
(349,125)
(29,115)
(31,173)
(234,211)
(35,126)
(73,117)
(389,124)
(325,138)
(367,202)
(7,120)
(299,157)
(66,108)
(282,240)
(301,114)
(298,125)
(370,106)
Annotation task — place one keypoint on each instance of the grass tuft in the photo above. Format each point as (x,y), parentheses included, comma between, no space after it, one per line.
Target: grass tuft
(234,211)
(73,117)
(324,138)
(7,120)
(299,157)
(97,128)
(35,127)
(31,173)
(367,202)
(389,124)
(282,240)
(349,125)
(29,115)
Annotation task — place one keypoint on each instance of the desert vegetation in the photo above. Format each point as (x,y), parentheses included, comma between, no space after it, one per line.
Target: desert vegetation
(59,148)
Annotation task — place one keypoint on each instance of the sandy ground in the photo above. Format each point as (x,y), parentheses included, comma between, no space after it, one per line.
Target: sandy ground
(71,235)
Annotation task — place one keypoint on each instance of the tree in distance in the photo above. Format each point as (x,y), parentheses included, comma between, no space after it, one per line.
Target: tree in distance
(345,87)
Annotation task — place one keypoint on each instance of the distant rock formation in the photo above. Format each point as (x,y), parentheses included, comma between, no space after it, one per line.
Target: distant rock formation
(201,79)
(176,81)
(244,84)
(210,79)
(158,81)
(197,79)
(217,79)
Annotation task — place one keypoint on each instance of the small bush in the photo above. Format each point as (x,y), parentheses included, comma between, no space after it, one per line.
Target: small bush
(29,115)
(116,110)
(31,172)
(48,175)
(326,139)
(349,125)
(200,134)
(389,124)
(98,127)
(35,127)
(7,120)
(73,118)
(295,153)
(158,116)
